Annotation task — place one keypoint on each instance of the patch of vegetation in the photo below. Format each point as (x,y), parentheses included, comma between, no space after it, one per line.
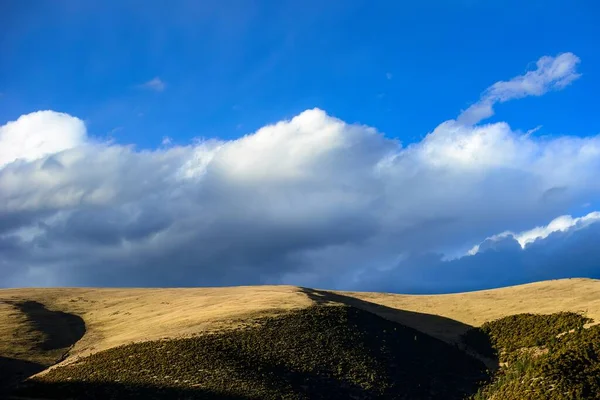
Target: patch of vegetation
(503,337)
(573,363)
(320,352)
(550,357)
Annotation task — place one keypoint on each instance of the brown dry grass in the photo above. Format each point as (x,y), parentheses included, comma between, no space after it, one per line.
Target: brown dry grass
(120,316)
(16,339)
(475,308)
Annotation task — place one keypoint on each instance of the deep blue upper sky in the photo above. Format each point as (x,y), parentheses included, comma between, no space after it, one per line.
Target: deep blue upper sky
(233,66)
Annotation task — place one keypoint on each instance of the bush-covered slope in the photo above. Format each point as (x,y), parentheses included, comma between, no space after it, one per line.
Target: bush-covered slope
(548,357)
(318,352)
(504,336)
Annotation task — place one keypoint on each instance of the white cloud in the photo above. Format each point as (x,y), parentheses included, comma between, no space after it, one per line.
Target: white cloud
(155,84)
(552,73)
(38,134)
(303,199)
(560,224)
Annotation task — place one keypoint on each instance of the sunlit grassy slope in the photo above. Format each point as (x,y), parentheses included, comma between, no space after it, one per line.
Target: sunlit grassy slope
(114,317)
(475,308)
(119,316)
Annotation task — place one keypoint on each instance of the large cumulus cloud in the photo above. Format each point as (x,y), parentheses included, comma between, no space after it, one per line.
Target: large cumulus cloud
(311,200)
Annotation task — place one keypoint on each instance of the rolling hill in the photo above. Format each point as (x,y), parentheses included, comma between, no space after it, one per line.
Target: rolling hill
(248,335)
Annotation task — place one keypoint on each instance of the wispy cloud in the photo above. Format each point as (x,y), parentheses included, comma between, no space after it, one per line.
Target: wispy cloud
(533,130)
(389,75)
(552,73)
(560,224)
(114,130)
(155,84)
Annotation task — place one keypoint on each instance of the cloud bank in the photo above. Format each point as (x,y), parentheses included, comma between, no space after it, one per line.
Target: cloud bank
(311,200)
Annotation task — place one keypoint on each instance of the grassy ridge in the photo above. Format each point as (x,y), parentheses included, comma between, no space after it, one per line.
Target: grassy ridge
(549,357)
(317,352)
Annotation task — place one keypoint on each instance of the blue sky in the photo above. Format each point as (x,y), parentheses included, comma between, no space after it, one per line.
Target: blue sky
(427,146)
(231,67)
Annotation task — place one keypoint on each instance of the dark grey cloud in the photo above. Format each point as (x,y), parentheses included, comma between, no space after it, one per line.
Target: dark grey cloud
(499,262)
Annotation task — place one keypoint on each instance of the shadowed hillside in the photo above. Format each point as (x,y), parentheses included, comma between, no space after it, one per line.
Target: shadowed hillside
(13,371)
(324,351)
(37,339)
(59,329)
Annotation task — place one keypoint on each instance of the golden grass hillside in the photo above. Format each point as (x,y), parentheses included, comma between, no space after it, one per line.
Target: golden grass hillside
(114,317)
(119,316)
(580,295)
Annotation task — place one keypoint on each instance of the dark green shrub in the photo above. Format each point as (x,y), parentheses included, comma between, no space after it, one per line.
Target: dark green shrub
(550,357)
(505,335)
(573,363)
